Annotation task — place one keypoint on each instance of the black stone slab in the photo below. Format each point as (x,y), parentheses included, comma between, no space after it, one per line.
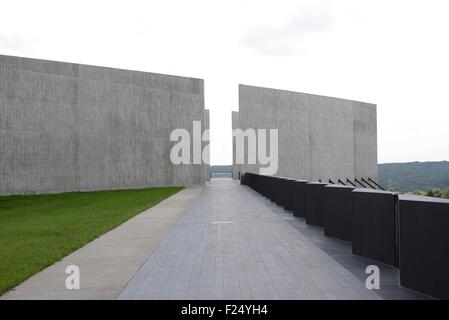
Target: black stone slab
(243,178)
(299,189)
(374,225)
(338,209)
(424,244)
(315,203)
(279,191)
(288,194)
(272,188)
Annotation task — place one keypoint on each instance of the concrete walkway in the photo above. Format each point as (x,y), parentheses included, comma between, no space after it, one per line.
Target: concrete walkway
(109,262)
(233,243)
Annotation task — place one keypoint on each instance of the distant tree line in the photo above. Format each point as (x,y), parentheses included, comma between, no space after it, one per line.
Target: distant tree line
(221,169)
(411,176)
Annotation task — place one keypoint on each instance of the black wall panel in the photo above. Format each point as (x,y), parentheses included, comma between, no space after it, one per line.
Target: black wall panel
(338,210)
(424,245)
(374,225)
(315,203)
(299,187)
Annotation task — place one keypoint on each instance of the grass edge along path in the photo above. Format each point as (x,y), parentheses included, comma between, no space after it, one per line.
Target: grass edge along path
(38,230)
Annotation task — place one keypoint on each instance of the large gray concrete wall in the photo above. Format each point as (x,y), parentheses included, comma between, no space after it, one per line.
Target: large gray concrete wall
(319,137)
(70,127)
(207,127)
(235,125)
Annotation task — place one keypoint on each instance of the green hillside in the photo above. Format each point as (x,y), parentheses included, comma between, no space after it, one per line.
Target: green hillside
(221,169)
(412,176)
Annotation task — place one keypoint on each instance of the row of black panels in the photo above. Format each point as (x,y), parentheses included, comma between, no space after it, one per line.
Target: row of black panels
(409,232)
(372,229)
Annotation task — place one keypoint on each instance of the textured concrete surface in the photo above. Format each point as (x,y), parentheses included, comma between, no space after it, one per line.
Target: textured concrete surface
(319,137)
(234,244)
(207,127)
(71,127)
(109,262)
(235,125)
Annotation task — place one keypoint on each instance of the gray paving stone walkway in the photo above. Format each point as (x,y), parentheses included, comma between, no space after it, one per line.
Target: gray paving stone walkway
(233,243)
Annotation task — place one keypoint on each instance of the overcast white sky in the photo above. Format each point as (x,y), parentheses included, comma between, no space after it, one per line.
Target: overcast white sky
(392,53)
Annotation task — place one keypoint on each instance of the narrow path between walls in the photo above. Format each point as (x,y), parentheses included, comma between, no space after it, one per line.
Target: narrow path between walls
(233,243)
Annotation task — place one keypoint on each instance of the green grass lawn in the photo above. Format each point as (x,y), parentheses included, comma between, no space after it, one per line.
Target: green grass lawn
(38,230)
